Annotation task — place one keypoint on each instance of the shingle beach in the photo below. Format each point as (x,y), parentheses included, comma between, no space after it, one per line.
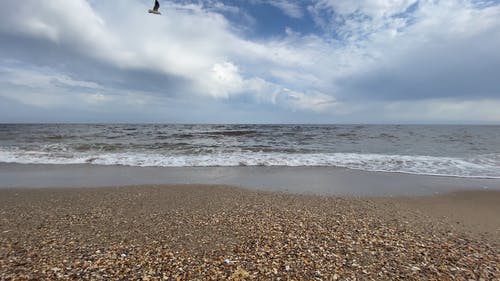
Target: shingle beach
(198,232)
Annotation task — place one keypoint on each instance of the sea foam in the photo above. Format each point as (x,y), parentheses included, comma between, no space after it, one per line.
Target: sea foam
(484,166)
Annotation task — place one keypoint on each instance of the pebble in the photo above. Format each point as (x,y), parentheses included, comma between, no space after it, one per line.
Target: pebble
(185,235)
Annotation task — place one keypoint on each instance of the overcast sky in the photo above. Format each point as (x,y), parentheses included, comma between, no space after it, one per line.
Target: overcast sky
(254,61)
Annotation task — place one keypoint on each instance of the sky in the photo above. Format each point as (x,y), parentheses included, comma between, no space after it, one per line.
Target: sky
(254,61)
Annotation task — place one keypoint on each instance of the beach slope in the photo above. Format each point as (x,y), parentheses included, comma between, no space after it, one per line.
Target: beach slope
(201,232)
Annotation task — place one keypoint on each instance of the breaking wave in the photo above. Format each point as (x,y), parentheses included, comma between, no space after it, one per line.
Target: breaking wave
(483,166)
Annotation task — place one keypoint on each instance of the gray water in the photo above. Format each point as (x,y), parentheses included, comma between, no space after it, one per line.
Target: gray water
(460,151)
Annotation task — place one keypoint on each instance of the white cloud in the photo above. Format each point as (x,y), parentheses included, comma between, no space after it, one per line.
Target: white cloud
(45,88)
(290,8)
(187,41)
(372,51)
(371,8)
(37,79)
(444,111)
(267,92)
(442,38)
(315,102)
(226,79)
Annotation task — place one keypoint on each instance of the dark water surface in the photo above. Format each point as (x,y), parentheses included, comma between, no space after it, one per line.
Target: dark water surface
(458,151)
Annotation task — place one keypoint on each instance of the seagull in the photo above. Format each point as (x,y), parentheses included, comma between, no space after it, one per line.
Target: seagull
(155,9)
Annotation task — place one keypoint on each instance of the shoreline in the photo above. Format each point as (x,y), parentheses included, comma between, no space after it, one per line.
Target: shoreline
(195,232)
(299,180)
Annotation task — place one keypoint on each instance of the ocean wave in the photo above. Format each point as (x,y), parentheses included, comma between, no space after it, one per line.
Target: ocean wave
(483,166)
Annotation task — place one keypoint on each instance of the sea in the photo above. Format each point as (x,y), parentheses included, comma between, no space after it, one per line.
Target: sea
(442,150)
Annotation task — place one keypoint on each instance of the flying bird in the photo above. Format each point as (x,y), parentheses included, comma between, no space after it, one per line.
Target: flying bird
(155,9)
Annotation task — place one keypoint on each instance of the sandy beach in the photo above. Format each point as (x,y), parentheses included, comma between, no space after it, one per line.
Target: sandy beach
(214,232)
(249,140)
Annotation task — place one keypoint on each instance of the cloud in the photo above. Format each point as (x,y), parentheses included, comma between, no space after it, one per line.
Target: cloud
(436,49)
(226,79)
(290,8)
(192,50)
(368,59)
(444,111)
(47,89)
(375,9)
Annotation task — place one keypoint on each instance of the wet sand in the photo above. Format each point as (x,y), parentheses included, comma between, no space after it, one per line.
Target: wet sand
(302,180)
(203,232)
